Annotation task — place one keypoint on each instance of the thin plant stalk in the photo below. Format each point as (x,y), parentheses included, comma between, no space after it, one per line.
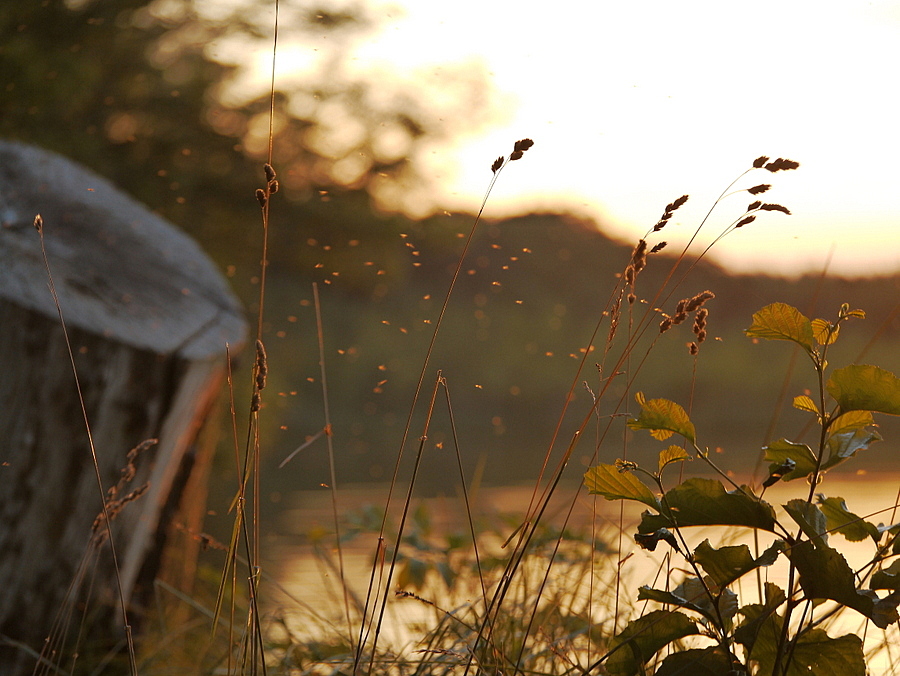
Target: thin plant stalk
(330,445)
(39,226)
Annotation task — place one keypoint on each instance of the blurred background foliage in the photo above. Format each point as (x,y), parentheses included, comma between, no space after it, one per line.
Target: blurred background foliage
(157,96)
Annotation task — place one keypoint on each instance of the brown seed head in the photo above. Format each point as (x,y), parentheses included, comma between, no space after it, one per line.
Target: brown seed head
(629,275)
(658,247)
(39,223)
(523,145)
(781,164)
(693,348)
(631,298)
(665,325)
(700,322)
(754,205)
(516,155)
(759,189)
(699,300)
(760,161)
(270,172)
(744,221)
(639,256)
(680,312)
(671,207)
(273,186)
(775,207)
(261,197)
(262,365)
(497,164)
(614,319)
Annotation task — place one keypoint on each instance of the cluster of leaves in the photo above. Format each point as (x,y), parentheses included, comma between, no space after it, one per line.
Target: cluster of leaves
(760,636)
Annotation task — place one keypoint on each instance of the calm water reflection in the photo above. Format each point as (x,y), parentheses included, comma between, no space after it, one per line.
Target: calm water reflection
(307,524)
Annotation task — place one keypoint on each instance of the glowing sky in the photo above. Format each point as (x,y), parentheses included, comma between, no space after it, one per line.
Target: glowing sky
(632,104)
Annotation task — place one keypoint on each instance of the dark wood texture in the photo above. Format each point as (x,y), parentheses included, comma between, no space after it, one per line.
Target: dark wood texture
(148,317)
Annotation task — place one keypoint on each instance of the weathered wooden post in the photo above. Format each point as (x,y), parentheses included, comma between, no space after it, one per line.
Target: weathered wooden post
(148,317)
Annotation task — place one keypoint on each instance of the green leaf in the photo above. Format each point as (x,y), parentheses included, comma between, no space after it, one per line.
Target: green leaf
(779,451)
(844,445)
(842,520)
(757,615)
(824,331)
(825,574)
(850,421)
(722,602)
(643,638)
(814,652)
(778,472)
(672,598)
(672,454)
(727,564)
(805,403)
(810,519)
(704,502)
(608,481)
(860,387)
(780,321)
(663,418)
(650,540)
(711,661)
(887,578)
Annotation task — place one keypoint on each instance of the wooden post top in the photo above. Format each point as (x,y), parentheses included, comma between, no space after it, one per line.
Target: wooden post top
(120,270)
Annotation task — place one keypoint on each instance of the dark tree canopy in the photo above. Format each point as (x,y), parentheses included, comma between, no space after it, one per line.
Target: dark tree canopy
(155,96)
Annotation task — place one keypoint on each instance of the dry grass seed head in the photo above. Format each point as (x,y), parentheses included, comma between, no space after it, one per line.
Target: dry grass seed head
(497,164)
(519,149)
(114,508)
(614,318)
(759,189)
(693,348)
(700,323)
(760,161)
(261,197)
(639,256)
(129,470)
(270,172)
(680,311)
(670,209)
(262,365)
(775,207)
(658,247)
(745,221)
(781,164)
(699,300)
(522,145)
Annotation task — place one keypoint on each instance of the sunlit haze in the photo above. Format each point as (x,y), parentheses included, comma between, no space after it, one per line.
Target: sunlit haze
(631,105)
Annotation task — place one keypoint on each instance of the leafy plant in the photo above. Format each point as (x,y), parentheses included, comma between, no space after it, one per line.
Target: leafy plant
(766,637)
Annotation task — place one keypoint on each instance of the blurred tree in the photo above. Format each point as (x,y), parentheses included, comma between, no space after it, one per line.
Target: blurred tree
(161,97)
